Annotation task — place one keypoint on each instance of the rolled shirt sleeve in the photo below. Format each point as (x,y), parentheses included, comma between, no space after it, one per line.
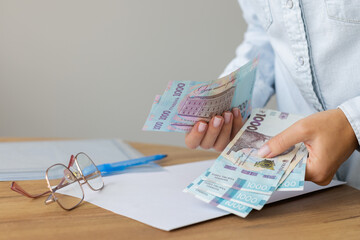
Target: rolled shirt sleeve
(351,109)
(256,44)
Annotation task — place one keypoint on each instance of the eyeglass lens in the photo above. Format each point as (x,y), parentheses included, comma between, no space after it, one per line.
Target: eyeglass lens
(90,172)
(63,184)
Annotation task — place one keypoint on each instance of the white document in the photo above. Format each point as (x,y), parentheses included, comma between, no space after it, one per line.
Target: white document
(156,198)
(29,160)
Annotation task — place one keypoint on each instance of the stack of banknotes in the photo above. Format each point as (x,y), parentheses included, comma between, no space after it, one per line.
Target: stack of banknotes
(239,180)
(186,102)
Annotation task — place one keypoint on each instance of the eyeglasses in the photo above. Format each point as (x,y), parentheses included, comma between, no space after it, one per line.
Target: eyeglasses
(65,183)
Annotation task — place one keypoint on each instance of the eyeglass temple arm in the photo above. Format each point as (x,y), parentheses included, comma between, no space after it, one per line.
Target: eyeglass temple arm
(16,188)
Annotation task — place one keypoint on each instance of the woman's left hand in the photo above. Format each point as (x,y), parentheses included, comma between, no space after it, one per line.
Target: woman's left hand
(328,137)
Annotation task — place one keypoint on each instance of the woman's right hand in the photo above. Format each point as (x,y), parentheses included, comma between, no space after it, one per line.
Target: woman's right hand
(217,133)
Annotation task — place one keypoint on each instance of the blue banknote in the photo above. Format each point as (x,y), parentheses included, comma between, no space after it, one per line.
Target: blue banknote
(227,173)
(186,102)
(296,179)
(250,199)
(239,175)
(229,206)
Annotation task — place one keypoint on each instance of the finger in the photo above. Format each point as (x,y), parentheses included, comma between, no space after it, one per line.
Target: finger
(224,136)
(212,132)
(283,141)
(237,122)
(195,136)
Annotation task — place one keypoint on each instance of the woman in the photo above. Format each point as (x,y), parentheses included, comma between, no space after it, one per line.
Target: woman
(309,56)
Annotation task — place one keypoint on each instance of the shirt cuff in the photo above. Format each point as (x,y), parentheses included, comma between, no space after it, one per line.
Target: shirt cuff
(351,109)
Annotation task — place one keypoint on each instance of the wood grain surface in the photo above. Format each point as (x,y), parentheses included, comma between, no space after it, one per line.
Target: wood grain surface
(329,214)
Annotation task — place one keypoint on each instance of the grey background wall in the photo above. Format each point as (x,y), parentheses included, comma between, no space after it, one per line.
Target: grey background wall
(90,69)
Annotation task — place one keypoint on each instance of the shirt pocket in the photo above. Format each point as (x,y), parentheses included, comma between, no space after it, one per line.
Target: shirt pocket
(347,11)
(264,13)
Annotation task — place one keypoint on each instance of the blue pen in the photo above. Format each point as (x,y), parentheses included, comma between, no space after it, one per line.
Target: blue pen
(108,168)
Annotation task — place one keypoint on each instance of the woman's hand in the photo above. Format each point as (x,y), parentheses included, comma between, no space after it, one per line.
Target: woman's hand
(328,137)
(217,133)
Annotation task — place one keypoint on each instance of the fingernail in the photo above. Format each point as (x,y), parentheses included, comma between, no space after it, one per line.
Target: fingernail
(227,117)
(201,127)
(216,122)
(264,151)
(236,112)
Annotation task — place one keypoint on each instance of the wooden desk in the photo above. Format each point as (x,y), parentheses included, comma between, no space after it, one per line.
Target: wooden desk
(328,214)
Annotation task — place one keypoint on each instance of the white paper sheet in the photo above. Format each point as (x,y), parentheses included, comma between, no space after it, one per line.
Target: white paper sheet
(156,198)
(29,160)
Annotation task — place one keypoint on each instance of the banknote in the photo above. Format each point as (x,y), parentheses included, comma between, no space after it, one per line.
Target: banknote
(225,184)
(300,155)
(239,176)
(295,180)
(250,199)
(185,102)
(229,206)
(228,174)
(242,150)
(262,125)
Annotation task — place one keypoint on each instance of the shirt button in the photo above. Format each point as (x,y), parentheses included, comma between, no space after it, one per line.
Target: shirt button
(290,4)
(301,61)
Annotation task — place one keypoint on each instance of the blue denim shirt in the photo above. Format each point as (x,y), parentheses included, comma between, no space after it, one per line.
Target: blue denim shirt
(309,55)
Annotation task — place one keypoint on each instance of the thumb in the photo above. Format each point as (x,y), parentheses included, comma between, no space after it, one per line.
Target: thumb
(282,142)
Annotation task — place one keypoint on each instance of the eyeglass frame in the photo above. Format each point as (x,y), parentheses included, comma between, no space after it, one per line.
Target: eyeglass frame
(52,198)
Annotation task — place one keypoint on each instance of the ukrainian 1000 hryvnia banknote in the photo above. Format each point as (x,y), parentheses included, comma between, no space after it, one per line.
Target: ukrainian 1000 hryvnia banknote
(239,176)
(242,150)
(229,206)
(185,102)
